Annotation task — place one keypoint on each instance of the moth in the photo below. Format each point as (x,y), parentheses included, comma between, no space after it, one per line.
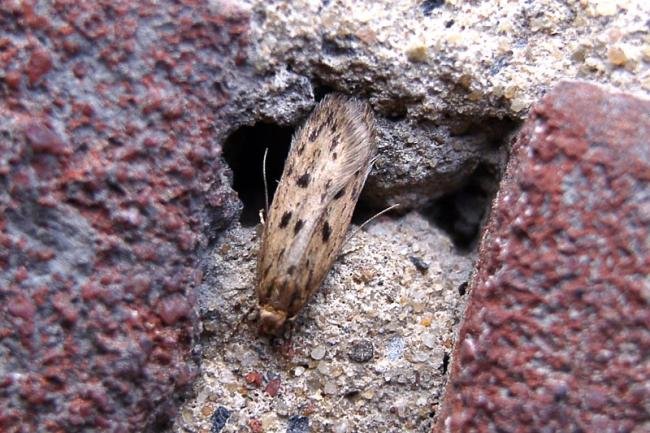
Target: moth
(328,162)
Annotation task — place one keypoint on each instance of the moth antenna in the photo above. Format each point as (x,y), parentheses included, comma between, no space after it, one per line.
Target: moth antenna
(266,185)
(375,216)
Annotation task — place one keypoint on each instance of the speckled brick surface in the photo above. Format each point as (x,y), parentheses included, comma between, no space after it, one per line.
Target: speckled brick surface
(109,179)
(556,336)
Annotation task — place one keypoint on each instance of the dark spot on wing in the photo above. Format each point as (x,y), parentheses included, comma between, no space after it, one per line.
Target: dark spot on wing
(291,269)
(330,118)
(286,217)
(334,156)
(316,132)
(303,180)
(298,226)
(335,141)
(339,194)
(327,231)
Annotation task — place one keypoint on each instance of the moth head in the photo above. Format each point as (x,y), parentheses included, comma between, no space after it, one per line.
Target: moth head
(271,320)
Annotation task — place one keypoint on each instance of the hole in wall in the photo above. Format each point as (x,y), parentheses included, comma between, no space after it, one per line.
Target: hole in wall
(244,150)
(461,213)
(366,209)
(363,211)
(321,90)
(397,112)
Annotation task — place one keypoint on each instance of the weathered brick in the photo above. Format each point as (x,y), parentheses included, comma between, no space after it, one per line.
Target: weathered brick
(110,180)
(556,336)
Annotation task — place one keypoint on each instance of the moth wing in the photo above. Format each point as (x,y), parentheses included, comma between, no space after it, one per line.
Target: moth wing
(343,142)
(325,170)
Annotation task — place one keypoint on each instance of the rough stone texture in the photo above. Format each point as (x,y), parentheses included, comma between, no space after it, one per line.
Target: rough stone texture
(556,336)
(112,116)
(368,354)
(450,79)
(449,82)
(109,179)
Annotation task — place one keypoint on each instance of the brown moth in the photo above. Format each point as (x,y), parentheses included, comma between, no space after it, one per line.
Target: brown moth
(327,165)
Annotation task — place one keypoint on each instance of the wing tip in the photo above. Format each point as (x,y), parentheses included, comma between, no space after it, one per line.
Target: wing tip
(356,116)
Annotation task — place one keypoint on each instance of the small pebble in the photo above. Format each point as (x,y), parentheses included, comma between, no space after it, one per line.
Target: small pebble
(318,352)
(617,56)
(254,378)
(219,419)
(298,424)
(269,420)
(419,264)
(395,348)
(324,368)
(361,351)
(255,425)
(428,340)
(273,387)
(329,388)
(188,415)
(207,409)
(417,54)
(282,409)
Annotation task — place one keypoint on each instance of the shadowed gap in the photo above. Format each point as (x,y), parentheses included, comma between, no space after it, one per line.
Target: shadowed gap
(461,212)
(243,150)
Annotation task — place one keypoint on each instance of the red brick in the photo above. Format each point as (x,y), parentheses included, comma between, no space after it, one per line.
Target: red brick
(556,335)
